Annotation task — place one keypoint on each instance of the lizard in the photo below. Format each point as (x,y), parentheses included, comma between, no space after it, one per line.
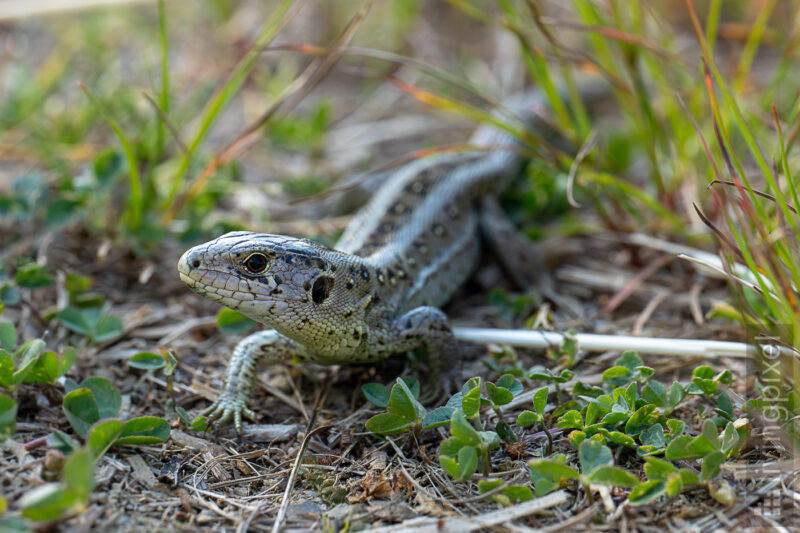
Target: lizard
(379,290)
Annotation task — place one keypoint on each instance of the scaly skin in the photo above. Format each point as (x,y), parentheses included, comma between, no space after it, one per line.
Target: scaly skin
(377,293)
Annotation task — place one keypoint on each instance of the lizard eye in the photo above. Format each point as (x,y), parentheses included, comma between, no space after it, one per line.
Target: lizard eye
(256,263)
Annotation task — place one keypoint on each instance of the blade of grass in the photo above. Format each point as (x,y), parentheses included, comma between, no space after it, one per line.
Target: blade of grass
(135,207)
(163,97)
(288,98)
(753,41)
(280,17)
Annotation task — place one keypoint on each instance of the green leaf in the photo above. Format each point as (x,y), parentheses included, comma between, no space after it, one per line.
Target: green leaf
(108,327)
(679,449)
(413,386)
(729,439)
(676,427)
(27,355)
(725,405)
(712,463)
(61,442)
(527,418)
(66,361)
(674,484)
(653,436)
(689,476)
(76,284)
(450,446)
(553,470)
(388,424)
(709,431)
(540,399)
(658,468)
(471,402)
(677,393)
(9,295)
(78,477)
(592,455)
(93,322)
(647,492)
(75,320)
(644,373)
(8,336)
(46,502)
(200,423)
(376,393)
(438,417)
(81,410)
(143,430)
(498,395)
(105,394)
(8,416)
(450,465)
(570,420)
(630,360)
(655,393)
(102,435)
(183,416)
(467,462)
(703,372)
(518,493)
(544,486)
(511,383)
(576,437)
(490,439)
(233,322)
(485,485)
(725,377)
(617,375)
(613,476)
(44,369)
(32,276)
(147,361)
(643,418)
(6,369)
(504,431)
(403,403)
(620,439)
(461,429)
(13,524)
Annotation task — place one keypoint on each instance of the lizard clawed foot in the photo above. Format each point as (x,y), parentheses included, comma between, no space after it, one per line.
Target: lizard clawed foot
(438,390)
(227,406)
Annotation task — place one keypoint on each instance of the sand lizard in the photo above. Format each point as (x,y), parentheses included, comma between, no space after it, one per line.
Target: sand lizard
(377,292)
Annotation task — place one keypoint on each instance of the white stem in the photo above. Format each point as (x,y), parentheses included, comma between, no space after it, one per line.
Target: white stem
(601,343)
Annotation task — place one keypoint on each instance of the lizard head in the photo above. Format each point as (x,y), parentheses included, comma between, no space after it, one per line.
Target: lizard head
(286,283)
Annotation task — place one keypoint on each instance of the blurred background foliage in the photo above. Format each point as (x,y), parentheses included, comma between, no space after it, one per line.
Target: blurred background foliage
(148,126)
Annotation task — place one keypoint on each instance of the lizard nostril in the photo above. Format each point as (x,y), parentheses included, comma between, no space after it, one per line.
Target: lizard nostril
(196,263)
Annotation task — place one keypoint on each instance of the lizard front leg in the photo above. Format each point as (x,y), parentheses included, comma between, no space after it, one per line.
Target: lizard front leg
(266,346)
(425,326)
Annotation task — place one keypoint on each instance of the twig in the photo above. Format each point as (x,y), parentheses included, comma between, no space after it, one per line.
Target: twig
(281,516)
(473,523)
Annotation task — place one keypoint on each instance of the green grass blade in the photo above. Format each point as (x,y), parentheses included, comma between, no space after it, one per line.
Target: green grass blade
(135,207)
(279,18)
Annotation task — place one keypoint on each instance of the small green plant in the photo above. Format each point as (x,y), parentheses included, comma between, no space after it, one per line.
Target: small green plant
(528,418)
(95,399)
(460,454)
(405,412)
(596,468)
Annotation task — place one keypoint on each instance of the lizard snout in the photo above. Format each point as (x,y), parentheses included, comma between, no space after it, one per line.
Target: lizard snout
(191,260)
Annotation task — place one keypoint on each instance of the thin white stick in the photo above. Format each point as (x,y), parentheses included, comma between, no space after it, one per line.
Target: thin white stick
(14,9)
(602,343)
